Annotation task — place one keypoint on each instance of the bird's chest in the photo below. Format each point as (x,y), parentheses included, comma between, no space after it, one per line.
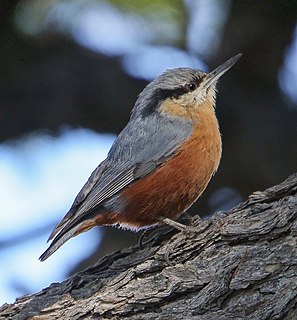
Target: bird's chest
(176,184)
(198,159)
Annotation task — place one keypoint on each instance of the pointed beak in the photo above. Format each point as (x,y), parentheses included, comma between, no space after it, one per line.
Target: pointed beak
(212,77)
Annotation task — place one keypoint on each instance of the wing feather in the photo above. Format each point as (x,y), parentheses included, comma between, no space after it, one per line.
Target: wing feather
(95,176)
(141,147)
(99,194)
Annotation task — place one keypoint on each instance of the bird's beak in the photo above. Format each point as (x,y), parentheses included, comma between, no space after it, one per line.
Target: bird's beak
(212,77)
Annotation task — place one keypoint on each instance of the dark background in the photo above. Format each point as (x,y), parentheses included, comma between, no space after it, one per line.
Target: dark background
(49,80)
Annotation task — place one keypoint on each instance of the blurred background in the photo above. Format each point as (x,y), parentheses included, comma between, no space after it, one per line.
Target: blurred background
(70,74)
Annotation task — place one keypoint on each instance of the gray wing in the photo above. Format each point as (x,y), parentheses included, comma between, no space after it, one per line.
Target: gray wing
(142,146)
(94,177)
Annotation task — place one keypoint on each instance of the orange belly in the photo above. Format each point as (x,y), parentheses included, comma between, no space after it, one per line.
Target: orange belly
(174,186)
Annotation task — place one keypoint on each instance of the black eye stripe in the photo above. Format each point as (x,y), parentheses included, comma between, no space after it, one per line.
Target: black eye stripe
(162,94)
(169,86)
(191,86)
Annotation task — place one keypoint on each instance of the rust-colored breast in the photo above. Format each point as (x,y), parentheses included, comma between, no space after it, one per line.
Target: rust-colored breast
(173,187)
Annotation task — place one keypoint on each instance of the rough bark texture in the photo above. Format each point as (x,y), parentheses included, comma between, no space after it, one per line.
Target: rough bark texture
(240,265)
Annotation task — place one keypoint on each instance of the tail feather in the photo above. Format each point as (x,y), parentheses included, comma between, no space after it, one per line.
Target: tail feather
(62,237)
(62,224)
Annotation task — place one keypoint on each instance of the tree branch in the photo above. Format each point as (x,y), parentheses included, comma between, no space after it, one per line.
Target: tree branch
(239,265)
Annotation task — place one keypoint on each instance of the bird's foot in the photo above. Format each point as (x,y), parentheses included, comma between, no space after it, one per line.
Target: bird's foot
(188,230)
(182,227)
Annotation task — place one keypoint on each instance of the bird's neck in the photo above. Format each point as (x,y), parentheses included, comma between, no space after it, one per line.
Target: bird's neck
(206,132)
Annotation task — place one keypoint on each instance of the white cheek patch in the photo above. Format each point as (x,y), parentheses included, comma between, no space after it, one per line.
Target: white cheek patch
(192,98)
(197,97)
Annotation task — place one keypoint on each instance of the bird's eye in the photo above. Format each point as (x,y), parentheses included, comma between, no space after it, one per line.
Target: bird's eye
(192,86)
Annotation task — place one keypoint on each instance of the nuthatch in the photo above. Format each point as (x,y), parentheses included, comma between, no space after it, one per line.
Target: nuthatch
(159,164)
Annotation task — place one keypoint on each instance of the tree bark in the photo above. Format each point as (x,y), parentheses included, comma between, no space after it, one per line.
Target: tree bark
(240,264)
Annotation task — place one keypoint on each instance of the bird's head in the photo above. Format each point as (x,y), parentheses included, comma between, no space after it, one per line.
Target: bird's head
(181,90)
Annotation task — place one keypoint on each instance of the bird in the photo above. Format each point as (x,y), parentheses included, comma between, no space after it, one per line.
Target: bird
(160,163)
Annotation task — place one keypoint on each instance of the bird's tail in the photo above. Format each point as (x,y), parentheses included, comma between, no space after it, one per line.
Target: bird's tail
(65,234)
